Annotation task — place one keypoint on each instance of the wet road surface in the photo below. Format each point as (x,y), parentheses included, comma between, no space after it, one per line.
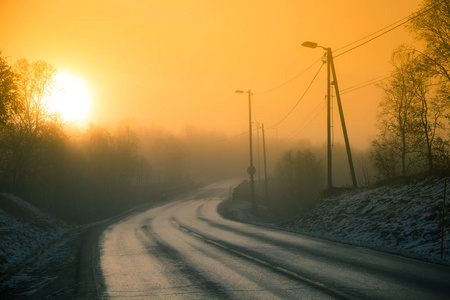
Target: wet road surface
(186,250)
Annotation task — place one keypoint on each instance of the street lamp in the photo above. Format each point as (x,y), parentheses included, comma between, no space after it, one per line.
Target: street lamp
(329,172)
(311,45)
(330,67)
(251,169)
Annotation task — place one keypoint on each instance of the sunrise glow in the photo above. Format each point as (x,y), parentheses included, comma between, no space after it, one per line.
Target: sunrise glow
(71,98)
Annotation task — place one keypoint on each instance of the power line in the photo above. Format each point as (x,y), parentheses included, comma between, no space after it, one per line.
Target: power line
(301,127)
(365,84)
(367,36)
(307,89)
(375,37)
(403,21)
(370,80)
(383,31)
(288,81)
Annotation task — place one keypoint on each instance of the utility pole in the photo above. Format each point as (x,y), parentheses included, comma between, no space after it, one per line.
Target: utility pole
(251,169)
(329,157)
(265,165)
(341,114)
(257,147)
(330,68)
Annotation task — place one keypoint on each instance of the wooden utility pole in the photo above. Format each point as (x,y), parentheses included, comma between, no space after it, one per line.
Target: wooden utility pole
(251,169)
(265,165)
(329,156)
(341,114)
(331,69)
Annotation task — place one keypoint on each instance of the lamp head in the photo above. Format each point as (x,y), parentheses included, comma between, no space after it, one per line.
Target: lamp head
(309,44)
(239,91)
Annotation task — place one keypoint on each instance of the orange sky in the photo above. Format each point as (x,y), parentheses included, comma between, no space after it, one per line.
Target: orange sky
(178,62)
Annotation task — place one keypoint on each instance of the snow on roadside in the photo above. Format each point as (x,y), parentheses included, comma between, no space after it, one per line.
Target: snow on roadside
(25,232)
(35,249)
(403,219)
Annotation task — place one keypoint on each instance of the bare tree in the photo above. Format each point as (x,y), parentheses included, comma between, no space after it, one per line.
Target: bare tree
(432,109)
(169,158)
(8,91)
(126,157)
(431,24)
(300,179)
(411,116)
(386,155)
(35,83)
(28,125)
(8,106)
(365,167)
(397,111)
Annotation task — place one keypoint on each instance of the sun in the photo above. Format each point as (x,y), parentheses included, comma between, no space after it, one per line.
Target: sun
(71,98)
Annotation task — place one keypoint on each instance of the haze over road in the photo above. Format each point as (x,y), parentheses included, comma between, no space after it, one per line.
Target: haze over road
(186,250)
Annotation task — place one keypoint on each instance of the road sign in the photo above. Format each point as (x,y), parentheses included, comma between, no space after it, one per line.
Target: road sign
(251,170)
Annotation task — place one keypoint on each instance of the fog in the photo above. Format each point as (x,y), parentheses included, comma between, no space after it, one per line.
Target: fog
(174,64)
(213,155)
(161,78)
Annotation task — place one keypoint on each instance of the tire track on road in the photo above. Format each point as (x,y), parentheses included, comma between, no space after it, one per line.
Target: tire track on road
(337,294)
(329,257)
(174,262)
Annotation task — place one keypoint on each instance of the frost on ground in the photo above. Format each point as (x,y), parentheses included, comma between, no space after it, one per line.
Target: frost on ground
(403,218)
(40,256)
(30,239)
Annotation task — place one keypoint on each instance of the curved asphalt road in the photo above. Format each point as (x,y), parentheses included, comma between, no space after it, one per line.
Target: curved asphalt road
(185,250)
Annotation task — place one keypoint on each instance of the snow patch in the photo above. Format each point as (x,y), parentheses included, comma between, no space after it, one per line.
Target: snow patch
(403,219)
(26,232)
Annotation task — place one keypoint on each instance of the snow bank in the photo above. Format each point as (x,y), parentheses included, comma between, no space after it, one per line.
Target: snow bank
(25,231)
(401,218)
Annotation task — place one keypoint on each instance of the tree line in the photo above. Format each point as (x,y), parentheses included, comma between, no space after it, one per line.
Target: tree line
(414,115)
(87,175)
(101,170)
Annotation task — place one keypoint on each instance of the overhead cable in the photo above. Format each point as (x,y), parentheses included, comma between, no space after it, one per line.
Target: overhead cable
(402,22)
(307,89)
(288,81)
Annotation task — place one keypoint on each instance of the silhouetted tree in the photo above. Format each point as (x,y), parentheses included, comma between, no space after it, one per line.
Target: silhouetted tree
(126,158)
(364,167)
(100,181)
(8,107)
(28,125)
(431,25)
(8,91)
(433,107)
(300,179)
(397,119)
(411,117)
(169,158)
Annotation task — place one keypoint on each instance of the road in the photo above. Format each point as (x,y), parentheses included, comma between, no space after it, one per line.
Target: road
(186,250)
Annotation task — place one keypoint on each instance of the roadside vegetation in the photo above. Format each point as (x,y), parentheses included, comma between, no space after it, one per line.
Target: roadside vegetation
(77,175)
(413,121)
